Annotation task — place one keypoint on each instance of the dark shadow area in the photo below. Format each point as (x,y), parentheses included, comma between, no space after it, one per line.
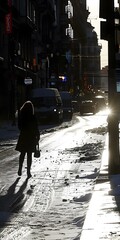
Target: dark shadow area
(115,191)
(103,177)
(11,202)
(117,199)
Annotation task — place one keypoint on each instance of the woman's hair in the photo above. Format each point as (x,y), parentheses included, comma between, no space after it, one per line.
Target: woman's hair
(27,108)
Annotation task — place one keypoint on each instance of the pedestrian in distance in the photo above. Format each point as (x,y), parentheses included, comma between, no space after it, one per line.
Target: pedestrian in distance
(29,135)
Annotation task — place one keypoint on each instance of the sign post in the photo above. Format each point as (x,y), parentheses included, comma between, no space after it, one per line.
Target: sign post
(113,124)
(108,33)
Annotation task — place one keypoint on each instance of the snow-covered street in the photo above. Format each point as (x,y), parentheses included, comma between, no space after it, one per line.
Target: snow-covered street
(53,203)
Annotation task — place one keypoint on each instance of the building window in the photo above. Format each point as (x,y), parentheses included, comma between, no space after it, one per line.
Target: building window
(69,9)
(31,13)
(16,4)
(69,31)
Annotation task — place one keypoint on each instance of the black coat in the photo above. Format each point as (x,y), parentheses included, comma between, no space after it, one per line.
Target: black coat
(29,134)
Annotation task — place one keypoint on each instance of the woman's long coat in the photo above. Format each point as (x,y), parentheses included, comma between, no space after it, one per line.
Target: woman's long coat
(29,134)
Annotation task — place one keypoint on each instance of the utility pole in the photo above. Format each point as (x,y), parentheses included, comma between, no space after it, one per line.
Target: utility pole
(108,33)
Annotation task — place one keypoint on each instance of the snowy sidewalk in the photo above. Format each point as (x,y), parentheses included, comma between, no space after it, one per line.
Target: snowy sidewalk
(103,216)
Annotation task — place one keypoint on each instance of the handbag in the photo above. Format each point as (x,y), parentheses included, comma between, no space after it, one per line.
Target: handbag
(37,151)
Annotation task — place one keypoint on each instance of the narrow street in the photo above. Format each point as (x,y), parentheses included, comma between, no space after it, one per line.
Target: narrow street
(52,204)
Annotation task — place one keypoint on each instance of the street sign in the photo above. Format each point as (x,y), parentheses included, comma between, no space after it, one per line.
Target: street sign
(28,81)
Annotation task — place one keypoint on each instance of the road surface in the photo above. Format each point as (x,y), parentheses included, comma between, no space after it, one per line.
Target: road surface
(52,204)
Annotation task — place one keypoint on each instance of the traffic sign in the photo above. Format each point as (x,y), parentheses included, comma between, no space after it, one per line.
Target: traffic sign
(28,81)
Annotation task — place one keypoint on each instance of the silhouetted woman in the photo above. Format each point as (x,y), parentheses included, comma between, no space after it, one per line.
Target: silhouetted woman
(29,135)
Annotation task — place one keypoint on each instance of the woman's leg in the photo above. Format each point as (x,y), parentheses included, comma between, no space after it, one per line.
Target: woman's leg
(29,163)
(21,160)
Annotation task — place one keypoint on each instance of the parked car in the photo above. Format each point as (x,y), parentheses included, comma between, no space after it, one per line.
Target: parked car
(100,102)
(75,106)
(67,104)
(87,106)
(48,104)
